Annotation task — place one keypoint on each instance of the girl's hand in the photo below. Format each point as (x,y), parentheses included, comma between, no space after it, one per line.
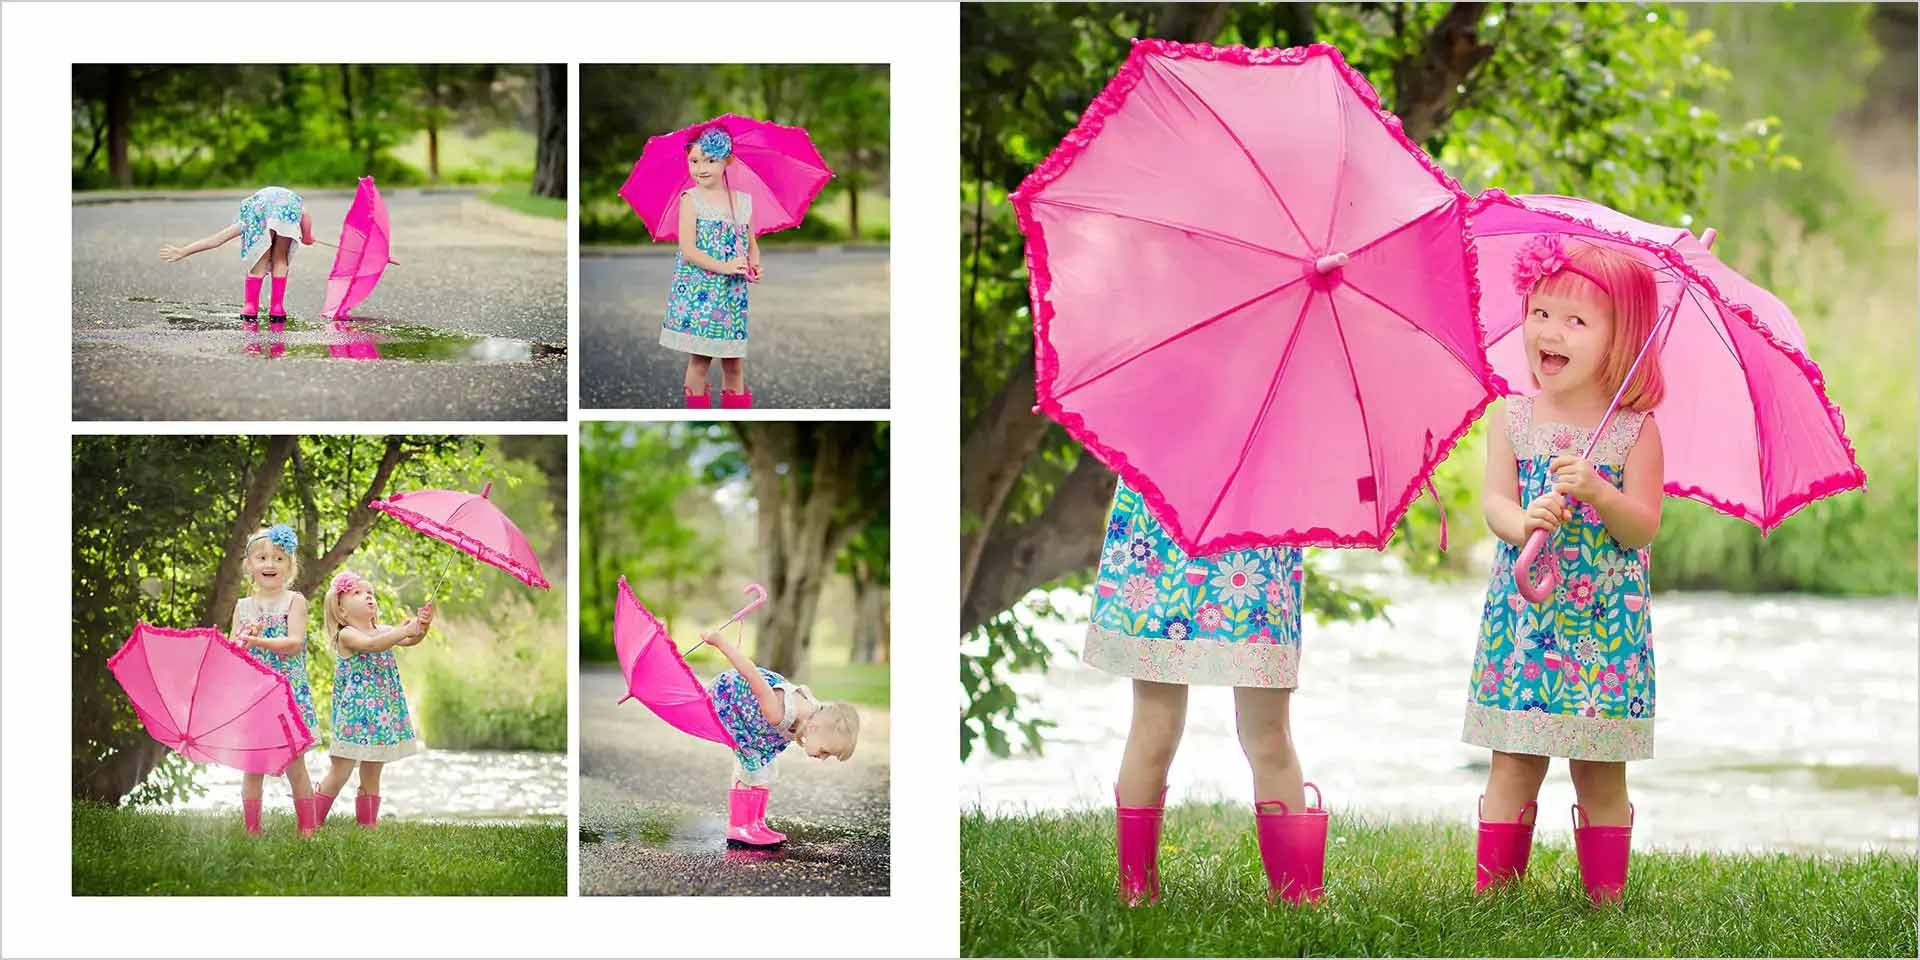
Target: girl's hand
(1547,512)
(753,270)
(306,239)
(425,616)
(173,254)
(734,268)
(1576,478)
(247,636)
(719,642)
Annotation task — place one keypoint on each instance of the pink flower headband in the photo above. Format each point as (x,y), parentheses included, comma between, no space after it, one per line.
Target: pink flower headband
(344,582)
(1542,257)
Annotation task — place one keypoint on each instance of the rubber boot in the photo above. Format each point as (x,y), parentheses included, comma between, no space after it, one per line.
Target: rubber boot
(250,814)
(1501,856)
(760,797)
(1603,855)
(251,311)
(277,310)
(736,399)
(1293,848)
(697,401)
(366,809)
(741,828)
(1137,839)
(321,804)
(303,816)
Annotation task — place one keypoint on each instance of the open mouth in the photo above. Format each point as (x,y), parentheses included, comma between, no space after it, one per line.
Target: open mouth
(1551,362)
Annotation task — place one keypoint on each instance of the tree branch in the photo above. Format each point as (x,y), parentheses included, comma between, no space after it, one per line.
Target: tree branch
(1065,537)
(1424,81)
(359,519)
(998,445)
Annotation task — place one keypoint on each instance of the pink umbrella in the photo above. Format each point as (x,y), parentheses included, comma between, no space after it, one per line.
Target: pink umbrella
(208,701)
(1746,424)
(472,524)
(658,676)
(778,167)
(1252,298)
(357,263)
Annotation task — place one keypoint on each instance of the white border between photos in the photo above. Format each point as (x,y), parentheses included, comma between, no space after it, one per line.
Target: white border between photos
(38,44)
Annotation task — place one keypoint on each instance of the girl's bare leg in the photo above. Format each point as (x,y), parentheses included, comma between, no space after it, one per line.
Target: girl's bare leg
(1159,717)
(370,777)
(251,786)
(1601,787)
(259,268)
(282,255)
(1513,781)
(697,370)
(733,374)
(336,778)
(297,779)
(1266,737)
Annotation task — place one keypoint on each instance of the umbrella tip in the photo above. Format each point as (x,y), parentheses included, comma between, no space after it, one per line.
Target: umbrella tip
(1707,237)
(486,489)
(1035,409)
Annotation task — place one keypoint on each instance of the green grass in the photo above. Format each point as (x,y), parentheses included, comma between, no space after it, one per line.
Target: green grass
(491,684)
(129,852)
(499,155)
(1044,886)
(520,197)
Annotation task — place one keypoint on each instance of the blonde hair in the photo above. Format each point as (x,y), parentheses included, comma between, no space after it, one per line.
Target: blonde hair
(246,557)
(1634,297)
(839,721)
(331,617)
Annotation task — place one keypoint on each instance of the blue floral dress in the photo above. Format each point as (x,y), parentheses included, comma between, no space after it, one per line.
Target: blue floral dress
(269,211)
(370,720)
(707,311)
(759,741)
(1572,677)
(1231,619)
(293,666)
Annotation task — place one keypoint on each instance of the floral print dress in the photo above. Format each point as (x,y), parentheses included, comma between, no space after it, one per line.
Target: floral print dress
(1572,677)
(707,311)
(292,666)
(759,742)
(269,211)
(370,720)
(1230,619)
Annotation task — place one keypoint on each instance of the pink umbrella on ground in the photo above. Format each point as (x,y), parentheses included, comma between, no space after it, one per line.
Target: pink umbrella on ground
(657,673)
(365,236)
(1252,297)
(1746,424)
(778,166)
(471,524)
(208,701)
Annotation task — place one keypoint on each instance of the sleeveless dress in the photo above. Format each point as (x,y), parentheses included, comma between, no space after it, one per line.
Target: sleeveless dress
(370,720)
(1231,618)
(269,211)
(760,742)
(1572,677)
(707,311)
(293,666)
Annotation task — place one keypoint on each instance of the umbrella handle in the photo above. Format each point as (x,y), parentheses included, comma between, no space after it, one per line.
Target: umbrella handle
(337,246)
(759,595)
(1540,590)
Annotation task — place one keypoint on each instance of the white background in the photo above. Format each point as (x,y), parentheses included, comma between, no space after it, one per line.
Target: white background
(38,44)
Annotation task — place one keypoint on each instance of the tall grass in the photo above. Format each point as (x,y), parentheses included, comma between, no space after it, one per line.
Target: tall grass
(496,683)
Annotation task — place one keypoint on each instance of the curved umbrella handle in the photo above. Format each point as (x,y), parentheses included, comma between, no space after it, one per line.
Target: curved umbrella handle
(1541,590)
(759,595)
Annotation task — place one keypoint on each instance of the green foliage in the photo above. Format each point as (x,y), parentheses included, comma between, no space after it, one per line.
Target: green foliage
(141,853)
(519,196)
(1044,886)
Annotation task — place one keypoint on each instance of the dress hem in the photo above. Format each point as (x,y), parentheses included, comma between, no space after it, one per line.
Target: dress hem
(702,346)
(374,752)
(1539,733)
(1193,662)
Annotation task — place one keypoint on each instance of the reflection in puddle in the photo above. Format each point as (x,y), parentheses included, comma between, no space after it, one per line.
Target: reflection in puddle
(357,340)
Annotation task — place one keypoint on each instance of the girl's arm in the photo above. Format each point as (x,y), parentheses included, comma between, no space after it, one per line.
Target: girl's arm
(753,252)
(173,254)
(691,251)
(424,617)
(296,638)
(353,639)
(1499,492)
(772,707)
(306,227)
(241,633)
(1631,512)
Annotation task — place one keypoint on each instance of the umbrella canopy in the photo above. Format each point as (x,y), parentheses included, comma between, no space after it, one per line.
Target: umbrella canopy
(208,701)
(1251,297)
(472,524)
(365,238)
(777,165)
(1746,424)
(658,676)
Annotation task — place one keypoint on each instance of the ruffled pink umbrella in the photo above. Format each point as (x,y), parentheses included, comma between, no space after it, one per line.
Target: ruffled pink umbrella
(1251,297)
(358,261)
(657,673)
(777,165)
(471,524)
(208,701)
(1746,424)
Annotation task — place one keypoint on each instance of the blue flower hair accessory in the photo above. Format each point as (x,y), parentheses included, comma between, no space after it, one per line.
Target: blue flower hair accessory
(280,535)
(715,143)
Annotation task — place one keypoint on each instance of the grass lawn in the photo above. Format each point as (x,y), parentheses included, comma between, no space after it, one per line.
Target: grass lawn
(130,852)
(520,196)
(1045,885)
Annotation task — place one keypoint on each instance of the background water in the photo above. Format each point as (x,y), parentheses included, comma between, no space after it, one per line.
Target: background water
(443,785)
(1784,721)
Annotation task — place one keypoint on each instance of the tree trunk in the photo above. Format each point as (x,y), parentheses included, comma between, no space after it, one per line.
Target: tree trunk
(1191,22)
(433,151)
(550,159)
(119,123)
(253,510)
(1065,537)
(998,445)
(346,105)
(1426,80)
(317,569)
(871,623)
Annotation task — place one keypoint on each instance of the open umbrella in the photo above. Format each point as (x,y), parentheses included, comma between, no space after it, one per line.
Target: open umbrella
(362,254)
(208,701)
(471,524)
(777,165)
(1746,424)
(657,673)
(1251,297)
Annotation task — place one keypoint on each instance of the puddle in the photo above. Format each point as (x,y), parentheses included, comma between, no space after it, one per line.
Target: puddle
(295,338)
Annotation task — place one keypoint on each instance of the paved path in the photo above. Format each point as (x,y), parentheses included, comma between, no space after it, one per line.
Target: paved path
(470,325)
(818,328)
(653,809)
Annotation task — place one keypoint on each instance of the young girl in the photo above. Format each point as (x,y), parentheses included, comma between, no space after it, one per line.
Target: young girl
(270,623)
(719,255)
(1572,677)
(265,226)
(1169,620)
(370,722)
(765,713)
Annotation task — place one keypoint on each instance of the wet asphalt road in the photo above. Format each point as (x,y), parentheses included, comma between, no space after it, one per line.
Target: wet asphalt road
(653,810)
(470,324)
(817,325)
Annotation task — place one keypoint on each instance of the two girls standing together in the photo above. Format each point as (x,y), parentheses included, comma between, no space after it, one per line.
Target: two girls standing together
(370,721)
(1570,677)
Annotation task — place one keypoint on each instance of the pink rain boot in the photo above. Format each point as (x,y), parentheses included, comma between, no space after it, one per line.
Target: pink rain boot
(321,804)
(741,828)
(696,401)
(277,310)
(1293,848)
(1502,854)
(1603,856)
(252,309)
(250,814)
(760,797)
(303,816)
(736,399)
(366,809)
(1138,841)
